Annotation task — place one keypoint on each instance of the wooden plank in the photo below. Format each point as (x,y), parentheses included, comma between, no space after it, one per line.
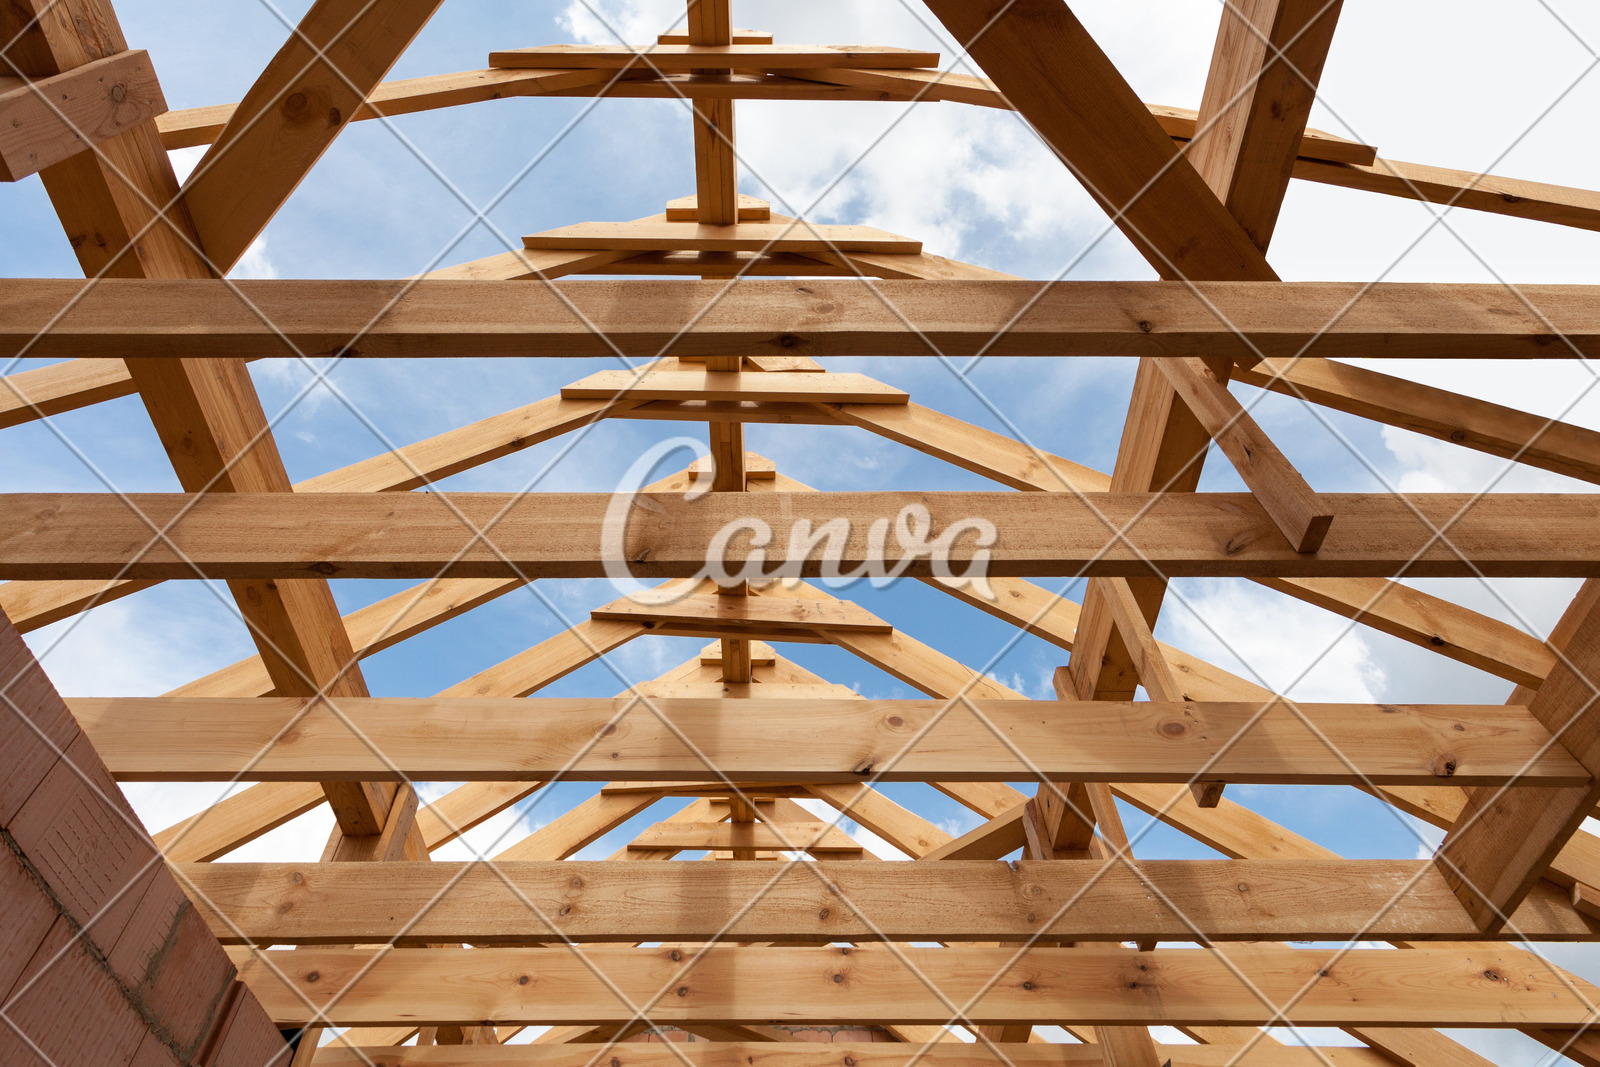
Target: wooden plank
(61,387)
(749,209)
(1434,412)
(142,319)
(816,837)
(1263,80)
(1423,987)
(950,901)
(1502,844)
(521,264)
(768,615)
(1295,507)
(716,167)
(722,237)
(685,57)
(263,739)
(735,36)
(922,265)
(1411,615)
(196,126)
(237,820)
(803,1054)
(626,386)
(999,836)
(46,120)
(1536,201)
(548,535)
(1177,122)
(1048,66)
(332,60)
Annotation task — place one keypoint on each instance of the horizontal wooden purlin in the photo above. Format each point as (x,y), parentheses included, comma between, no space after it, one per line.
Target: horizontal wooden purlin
(728,386)
(727,411)
(723,265)
(1267,1053)
(55,318)
(566,535)
(739,237)
(684,57)
(769,615)
(817,837)
(951,900)
(1421,987)
(793,740)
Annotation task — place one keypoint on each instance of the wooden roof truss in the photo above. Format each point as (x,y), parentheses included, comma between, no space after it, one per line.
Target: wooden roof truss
(733,952)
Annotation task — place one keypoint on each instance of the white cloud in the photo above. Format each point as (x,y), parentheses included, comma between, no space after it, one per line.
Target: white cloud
(1284,644)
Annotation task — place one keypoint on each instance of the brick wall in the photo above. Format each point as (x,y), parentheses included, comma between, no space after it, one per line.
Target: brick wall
(103,960)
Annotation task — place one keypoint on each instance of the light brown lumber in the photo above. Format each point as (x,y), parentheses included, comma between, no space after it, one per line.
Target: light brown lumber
(1449,629)
(922,265)
(717,385)
(1000,835)
(1422,987)
(196,126)
(722,237)
(716,167)
(205,411)
(1294,506)
(467,806)
(686,57)
(521,264)
(1502,844)
(577,827)
(372,629)
(948,85)
(903,829)
(740,265)
(771,616)
(1536,201)
(61,387)
(1468,421)
(140,319)
(237,820)
(46,120)
(1263,80)
(952,901)
(747,209)
(741,690)
(1400,611)
(873,1054)
(321,76)
(1044,61)
(787,739)
(400,535)
(816,837)
(735,36)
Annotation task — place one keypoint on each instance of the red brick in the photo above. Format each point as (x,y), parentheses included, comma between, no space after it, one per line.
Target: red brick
(78,832)
(25,757)
(70,1007)
(186,987)
(153,1052)
(28,916)
(148,930)
(249,1039)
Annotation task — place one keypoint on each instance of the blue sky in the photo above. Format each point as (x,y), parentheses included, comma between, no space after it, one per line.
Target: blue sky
(1509,89)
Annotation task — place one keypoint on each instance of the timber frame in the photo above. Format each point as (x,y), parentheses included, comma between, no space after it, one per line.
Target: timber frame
(748,956)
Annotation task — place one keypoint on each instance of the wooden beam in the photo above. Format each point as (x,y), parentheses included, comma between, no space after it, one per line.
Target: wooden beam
(1502,844)
(320,77)
(1263,80)
(721,385)
(1049,67)
(951,901)
(46,120)
(558,535)
(272,738)
(1434,412)
(1536,201)
(814,837)
(143,319)
(747,209)
(999,836)
(769,616)
(802,1054)
(716,167)
(792,236)
(1363,986)
(685,57)
(1294,506)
